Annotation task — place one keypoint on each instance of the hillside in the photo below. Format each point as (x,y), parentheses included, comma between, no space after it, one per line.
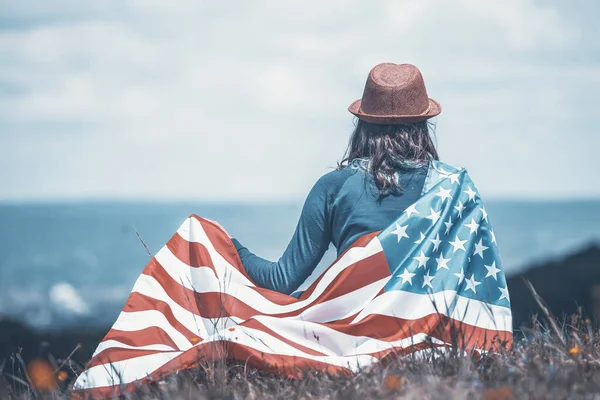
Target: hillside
(565,285)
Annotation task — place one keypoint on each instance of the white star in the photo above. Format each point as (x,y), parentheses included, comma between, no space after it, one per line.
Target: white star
(448,225)
(400,231)
(472,284)
(444,194)
(470,193)
(436,242)
(442,171)
(473,226)
(493,236)
(442,262)
(458,244)
(480,248)
(484,215)
(460,207)
(427,280)
(421,239)
(492,270)
(454,178)
(406,276)
(412,209)
(421,259)
(460,276)
(504,294)
(434,216)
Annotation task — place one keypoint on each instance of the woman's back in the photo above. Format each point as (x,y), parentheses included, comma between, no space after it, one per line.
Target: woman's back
(355,207)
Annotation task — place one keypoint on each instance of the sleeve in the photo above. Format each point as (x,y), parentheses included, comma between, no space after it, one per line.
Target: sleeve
(310,241)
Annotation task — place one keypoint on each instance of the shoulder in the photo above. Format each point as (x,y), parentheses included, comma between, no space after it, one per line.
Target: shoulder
(440,171)
(332,181)
(446,169)
(336,177)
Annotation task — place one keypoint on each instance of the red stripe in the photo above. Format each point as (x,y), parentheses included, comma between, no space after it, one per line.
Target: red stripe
(207,305)
(360,242)
(115,354)
(142,337)
(222,244)
(389,329)
(356,276)
(290,366)
(140,302)
(175,290)
(385,356)
(182,249)
(275,297)
(193,254)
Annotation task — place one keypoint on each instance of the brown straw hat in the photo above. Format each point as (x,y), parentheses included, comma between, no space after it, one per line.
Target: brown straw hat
(395,94)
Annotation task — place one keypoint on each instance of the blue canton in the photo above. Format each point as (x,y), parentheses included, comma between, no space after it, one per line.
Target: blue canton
(445,242)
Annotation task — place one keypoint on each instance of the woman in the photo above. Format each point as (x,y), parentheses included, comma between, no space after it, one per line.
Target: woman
(382,173)
(417,268)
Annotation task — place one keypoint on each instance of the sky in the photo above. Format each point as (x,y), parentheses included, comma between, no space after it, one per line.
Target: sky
(247,101)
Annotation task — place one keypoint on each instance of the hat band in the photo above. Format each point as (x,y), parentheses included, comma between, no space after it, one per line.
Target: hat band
(360,110)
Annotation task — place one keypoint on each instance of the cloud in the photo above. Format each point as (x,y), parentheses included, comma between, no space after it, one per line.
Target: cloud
(65,298)
(248,101)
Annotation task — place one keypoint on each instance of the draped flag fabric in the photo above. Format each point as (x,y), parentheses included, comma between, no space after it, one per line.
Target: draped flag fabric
(433,278)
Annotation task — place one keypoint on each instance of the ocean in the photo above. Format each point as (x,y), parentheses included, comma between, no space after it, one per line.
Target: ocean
(71,263)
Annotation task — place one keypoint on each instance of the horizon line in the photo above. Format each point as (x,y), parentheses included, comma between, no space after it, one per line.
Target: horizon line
(252,201)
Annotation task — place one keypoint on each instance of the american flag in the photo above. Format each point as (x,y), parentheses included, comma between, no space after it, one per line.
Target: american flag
(432,279)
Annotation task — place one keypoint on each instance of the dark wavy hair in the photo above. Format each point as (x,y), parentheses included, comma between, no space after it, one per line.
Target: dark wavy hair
(389,149)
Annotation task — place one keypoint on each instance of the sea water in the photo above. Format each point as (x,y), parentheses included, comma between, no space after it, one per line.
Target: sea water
(62,264)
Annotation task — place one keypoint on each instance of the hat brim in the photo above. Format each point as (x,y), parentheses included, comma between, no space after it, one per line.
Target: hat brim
(433,110)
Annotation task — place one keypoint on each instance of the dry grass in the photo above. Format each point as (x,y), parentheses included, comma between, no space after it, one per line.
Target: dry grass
(543,364)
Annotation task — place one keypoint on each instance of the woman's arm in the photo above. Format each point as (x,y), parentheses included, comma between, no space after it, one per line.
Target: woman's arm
(310,241)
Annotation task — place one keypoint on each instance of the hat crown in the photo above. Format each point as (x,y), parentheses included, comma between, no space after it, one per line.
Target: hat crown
(395,90)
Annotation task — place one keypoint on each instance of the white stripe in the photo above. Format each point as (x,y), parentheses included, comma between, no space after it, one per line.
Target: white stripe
(112,344)
(203,327)
(371,345)
(193,232)
(201,281)
(266,343)
(138,320)
(343,306)
(469,311)
(123,372)
(329,341)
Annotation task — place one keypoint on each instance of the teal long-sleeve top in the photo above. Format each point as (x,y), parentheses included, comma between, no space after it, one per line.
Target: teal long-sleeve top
(341,207)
